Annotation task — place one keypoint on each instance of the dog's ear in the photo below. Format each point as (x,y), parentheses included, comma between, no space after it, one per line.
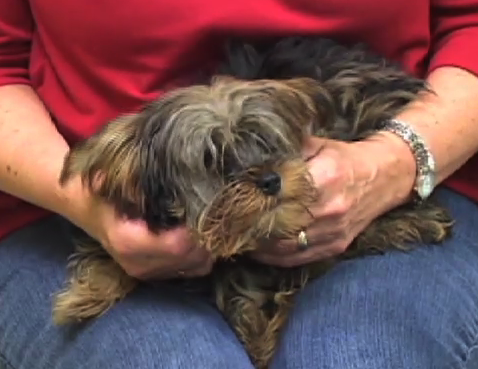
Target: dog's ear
(158,174)
(124,165)
(108,164)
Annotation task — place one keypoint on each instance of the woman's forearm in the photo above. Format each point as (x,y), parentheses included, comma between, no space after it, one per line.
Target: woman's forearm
(31,149)
(448,119)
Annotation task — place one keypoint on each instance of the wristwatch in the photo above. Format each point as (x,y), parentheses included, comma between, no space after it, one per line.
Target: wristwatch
(425,181)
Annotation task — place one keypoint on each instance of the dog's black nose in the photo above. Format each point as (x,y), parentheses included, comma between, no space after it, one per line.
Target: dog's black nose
(270,183)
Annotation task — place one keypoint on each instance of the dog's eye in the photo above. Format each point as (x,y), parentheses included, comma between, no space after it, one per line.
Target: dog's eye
(221,165)
(270,183)
(207,159)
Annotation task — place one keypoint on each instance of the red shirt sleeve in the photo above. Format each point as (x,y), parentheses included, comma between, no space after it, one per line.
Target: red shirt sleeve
(455,34)
(16,25)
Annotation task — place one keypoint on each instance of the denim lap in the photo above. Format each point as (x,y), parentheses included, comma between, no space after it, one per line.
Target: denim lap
(399,310)
(156,327)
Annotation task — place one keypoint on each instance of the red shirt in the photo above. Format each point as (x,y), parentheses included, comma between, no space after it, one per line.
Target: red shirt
(90,61)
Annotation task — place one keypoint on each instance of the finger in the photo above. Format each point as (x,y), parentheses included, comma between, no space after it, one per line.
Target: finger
(133,238)
(319,246)
(313,254)
(275,246)
(194,270)
(158,267)
(166,245)
(316,234)
(196,259)
(197,262)
(200,271)
(173,243)
(316,237)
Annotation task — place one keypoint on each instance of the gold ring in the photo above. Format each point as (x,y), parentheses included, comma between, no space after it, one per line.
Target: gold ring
(302,240)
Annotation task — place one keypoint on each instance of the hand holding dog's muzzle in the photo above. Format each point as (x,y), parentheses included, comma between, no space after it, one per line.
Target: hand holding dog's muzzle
(167,254)
(356,183)
(140,252)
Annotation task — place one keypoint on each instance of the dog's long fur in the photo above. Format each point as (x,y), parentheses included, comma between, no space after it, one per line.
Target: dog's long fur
(209,156)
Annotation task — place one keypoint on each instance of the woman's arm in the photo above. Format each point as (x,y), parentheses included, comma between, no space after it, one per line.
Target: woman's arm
(447,121)
(362,180)
(31,159)
(32,150)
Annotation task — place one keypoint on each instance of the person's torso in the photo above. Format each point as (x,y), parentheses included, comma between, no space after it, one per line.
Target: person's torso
(93,61)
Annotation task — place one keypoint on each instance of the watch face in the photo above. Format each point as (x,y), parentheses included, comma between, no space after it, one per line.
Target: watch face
(425,185)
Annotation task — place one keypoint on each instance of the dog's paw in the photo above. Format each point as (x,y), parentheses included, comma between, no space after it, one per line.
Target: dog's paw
(97,284)
(404,228)
(74,306)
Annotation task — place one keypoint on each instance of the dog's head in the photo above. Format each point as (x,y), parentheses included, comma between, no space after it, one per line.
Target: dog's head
(225,159)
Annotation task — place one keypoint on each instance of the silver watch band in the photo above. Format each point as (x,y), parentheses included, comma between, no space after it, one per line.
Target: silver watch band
(425,179)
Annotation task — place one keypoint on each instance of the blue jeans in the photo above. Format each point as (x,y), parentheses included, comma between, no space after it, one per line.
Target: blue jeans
(416,310)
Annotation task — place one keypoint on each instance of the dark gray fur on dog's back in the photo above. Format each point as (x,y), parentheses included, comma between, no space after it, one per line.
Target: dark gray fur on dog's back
(350,75)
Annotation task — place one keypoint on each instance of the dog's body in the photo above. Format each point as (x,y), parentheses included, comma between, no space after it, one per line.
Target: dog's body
(224,158)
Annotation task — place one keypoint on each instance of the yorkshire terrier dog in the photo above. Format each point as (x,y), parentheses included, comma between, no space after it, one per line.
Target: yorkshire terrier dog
(224,158)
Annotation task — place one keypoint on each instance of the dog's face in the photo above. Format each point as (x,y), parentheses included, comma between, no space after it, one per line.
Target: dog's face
(224,158)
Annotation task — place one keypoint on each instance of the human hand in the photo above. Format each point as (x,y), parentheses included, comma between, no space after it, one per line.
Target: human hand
(140,252)
(356,182)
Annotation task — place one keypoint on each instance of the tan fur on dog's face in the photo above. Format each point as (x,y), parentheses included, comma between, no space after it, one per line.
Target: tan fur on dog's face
(225,159)
(241,214)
